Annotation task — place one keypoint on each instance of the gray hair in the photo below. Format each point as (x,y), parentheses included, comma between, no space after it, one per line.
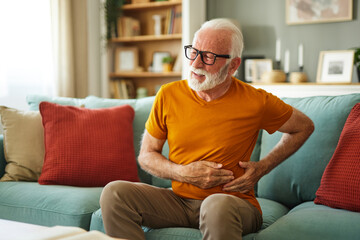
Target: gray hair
(236,38)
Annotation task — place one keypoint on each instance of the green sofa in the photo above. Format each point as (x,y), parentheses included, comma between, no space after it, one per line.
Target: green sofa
(286,194)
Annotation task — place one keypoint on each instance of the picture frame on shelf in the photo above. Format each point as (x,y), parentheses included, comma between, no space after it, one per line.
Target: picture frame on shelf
(314,11)
(335,66)
(126,59)
(259,67)
(246,67)
(157,60)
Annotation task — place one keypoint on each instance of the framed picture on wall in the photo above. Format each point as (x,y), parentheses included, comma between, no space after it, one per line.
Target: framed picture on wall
(315,11)
(126,59)
(335,66)
(259,67)
(246,74)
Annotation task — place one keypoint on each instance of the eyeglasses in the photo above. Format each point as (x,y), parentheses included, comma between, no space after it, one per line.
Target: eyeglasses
(207,58)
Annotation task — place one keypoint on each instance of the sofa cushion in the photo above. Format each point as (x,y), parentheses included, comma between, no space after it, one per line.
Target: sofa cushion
(340,183)
(87,147)
(23,144)
(272,211)
(142,109)
(310,221)
(156,234)
(173,233)
(48,205)
(34,100)
(297,179)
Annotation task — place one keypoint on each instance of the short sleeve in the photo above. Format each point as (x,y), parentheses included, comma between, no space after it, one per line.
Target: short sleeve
(156,123)
(276,112)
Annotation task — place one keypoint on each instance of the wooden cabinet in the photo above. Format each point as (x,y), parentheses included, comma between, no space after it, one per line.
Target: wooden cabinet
(146,44)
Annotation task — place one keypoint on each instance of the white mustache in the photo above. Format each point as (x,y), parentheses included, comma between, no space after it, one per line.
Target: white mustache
(198,71)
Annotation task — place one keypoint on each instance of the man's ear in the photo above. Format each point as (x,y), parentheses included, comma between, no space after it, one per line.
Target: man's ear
(234,65)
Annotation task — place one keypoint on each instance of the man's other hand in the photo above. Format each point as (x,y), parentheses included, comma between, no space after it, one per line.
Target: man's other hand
(205,174)
(245,183)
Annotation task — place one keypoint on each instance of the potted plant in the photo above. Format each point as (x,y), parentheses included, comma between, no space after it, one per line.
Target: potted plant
(112,13)
(167,63)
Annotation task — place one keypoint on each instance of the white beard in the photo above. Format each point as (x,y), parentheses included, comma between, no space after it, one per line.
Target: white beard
(211,80)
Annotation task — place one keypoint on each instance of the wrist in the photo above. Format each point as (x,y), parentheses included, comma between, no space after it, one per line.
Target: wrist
(264,167)
(178,172)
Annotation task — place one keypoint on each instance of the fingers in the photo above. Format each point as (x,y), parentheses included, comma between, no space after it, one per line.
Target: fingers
(218,166)
(243,184)
(219,180)
(205,174)
(243,164)
(211,164)
(238,185)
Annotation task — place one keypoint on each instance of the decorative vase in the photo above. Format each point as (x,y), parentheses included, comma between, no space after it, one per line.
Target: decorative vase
(297,77)
(141,92)
(274,76)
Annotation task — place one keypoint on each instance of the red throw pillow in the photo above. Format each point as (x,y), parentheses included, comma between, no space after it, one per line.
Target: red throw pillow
(87,147)
(340,183)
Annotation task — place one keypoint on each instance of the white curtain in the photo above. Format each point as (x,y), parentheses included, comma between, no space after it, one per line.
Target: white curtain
(26,65)
(63,48)
(44,49)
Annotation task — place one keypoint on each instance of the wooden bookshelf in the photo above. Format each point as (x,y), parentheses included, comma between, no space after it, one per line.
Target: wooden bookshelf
(147,43)
(144,38)
(144,75)
(151,5)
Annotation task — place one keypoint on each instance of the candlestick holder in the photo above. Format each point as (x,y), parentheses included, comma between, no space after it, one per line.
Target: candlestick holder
(277,65)
(301,68)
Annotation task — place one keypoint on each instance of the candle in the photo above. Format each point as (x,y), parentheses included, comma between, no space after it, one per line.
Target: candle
(301,49)
(278,50)
(287,61)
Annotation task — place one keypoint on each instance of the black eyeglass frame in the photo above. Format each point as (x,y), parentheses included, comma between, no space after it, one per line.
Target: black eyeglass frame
(201,54)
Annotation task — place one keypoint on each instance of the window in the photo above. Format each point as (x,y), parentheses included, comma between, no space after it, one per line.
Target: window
(26,56)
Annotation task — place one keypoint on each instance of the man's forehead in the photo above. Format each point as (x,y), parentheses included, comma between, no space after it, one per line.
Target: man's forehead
(211,40)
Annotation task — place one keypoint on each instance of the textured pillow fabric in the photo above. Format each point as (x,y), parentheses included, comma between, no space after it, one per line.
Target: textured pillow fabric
(340,184)
(87,147)
(142,108)
(23,144)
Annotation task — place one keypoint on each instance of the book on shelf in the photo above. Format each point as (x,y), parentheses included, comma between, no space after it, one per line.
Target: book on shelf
(177,19)
(173,20)
(128,27)
(123,89)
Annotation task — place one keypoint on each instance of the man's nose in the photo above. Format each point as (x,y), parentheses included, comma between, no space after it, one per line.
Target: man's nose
(197,63)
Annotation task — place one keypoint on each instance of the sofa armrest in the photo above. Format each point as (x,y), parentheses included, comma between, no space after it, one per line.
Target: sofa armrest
(2,156)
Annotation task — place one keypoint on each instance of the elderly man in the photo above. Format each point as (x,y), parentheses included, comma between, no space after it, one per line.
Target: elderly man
(211,122)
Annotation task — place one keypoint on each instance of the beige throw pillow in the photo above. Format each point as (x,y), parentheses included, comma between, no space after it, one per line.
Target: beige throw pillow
(23,144)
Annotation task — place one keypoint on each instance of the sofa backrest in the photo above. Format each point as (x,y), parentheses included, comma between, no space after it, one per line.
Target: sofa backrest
(297,179)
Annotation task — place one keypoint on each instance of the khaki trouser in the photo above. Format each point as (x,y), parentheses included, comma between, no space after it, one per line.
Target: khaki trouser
(127,206)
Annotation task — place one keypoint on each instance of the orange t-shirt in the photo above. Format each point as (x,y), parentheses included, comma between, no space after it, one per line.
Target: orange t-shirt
(224,130)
